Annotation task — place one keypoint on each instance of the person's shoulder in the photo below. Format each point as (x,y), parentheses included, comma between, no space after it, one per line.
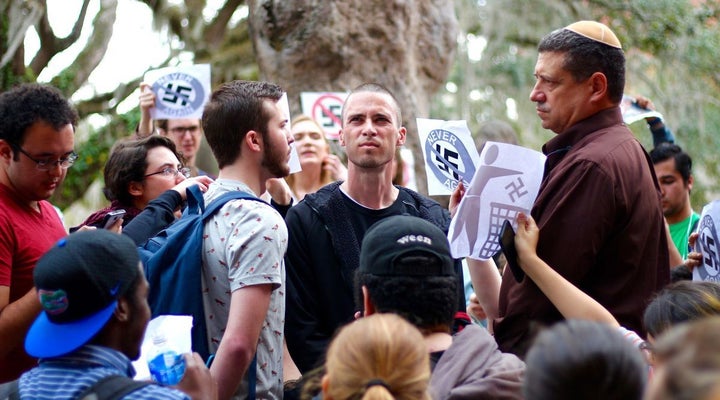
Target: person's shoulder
(317,200)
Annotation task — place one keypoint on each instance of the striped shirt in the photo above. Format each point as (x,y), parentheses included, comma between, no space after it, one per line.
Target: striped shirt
(65,377)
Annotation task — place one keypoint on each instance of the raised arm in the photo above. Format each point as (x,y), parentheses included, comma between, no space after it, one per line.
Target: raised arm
(572,302)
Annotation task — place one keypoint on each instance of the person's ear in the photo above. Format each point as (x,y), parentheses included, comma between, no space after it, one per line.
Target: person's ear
(253,140)
(6,151)
(325,386)
(122,311)
(690,182)
(368,306)
(402,133)
(341,138)
(136,188)
(598,86)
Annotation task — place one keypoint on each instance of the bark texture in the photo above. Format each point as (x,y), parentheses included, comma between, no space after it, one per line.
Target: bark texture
(316,45)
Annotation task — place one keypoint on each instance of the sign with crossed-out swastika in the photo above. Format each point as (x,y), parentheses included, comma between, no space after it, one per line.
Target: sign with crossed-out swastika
(450,154)
(180,92)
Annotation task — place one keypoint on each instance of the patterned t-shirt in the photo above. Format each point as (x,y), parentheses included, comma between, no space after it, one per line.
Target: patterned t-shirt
(244,244)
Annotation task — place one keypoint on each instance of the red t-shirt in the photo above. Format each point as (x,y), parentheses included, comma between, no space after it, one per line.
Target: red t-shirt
(25,235)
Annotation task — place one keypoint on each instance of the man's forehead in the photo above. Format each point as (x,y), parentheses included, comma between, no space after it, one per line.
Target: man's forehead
(364,102)
(183,122)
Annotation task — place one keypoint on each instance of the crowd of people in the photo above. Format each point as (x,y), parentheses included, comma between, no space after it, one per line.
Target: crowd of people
(342,285)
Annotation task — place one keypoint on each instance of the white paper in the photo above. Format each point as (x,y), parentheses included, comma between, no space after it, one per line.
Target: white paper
(326,109)
(180,92)
(507,182)
(631,112)
(177,330)
(449,152)
(707,244)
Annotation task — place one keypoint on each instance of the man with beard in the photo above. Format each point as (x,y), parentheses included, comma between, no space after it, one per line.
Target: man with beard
(244,243)
(37,137)
(327,227)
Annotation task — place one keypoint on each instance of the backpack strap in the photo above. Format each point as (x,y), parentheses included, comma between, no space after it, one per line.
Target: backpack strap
(216,204)
(252,377)
(11,390)
(111,387)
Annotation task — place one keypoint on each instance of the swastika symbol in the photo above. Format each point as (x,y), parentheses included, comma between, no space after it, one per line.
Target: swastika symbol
(516,189)
(176,95)
(710,253)
(447,160)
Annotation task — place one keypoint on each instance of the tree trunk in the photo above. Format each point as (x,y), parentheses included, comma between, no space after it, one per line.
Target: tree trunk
(405,45)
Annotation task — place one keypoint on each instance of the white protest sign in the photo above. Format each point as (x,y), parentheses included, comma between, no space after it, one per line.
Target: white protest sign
(294,162)
(180,92)
(707,244)
(449,152)
(631,112)
(506,183)
(326,109)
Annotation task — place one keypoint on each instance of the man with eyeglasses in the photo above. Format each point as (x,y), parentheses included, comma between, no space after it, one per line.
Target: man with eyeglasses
(37,128)
(186,133)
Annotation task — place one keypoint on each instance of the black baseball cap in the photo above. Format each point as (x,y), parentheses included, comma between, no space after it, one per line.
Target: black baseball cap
(79,281)
(391,239)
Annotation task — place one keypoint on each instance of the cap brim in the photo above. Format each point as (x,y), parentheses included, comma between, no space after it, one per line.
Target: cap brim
(49,339)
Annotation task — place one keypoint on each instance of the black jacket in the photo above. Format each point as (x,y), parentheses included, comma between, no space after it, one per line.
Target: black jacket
(323,254)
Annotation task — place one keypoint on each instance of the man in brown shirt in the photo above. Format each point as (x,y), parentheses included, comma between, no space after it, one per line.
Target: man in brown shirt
(598,207)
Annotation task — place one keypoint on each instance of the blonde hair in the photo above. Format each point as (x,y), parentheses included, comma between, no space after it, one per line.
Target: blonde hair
(378,357)
(325,175)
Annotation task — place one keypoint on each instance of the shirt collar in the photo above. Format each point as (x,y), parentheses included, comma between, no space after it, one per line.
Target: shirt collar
(600,120)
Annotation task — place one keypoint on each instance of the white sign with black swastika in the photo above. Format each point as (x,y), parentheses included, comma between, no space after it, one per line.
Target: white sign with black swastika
(506,183)
(449,152)
(707,244)
(180,92)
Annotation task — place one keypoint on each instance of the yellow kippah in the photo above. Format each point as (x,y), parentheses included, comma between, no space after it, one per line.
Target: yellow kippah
(595,31)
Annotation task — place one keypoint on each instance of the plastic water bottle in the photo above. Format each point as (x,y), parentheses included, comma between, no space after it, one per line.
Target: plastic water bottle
(167,367)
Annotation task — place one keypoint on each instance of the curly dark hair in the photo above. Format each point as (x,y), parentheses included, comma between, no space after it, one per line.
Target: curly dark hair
(428,302)
(26,104)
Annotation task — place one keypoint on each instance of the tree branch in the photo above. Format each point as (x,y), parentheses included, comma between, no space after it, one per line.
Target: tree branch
(50,45)
(74,76)
(215,31)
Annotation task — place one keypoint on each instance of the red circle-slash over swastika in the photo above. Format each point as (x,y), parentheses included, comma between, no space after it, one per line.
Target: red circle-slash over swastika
(321,112)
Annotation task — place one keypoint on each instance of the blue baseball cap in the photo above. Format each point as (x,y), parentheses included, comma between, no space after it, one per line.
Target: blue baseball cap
(79,281)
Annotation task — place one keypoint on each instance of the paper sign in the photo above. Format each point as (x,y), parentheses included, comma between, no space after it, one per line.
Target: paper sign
(449,152)
(707,244)
(326,109)
(180,92)
(507,182)
(294,162)
(631,112)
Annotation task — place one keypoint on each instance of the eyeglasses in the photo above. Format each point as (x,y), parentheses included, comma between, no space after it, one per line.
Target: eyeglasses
(170,171)
(48,163)
(180,130)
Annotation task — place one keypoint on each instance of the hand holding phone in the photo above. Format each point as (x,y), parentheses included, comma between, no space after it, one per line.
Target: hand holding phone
(507,244)
(112,217)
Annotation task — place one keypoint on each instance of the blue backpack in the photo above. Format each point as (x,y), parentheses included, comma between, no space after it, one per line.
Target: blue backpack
(173,263)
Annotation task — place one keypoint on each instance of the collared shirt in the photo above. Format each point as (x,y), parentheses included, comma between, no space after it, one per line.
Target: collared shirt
(67,376)
(601,228)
